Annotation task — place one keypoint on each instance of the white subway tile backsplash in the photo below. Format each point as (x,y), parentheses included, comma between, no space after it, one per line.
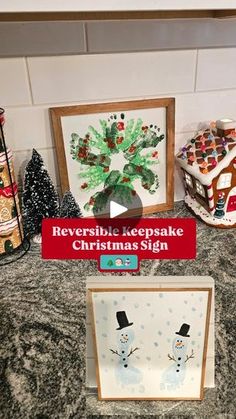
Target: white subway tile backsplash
(216,69)
(194,111)
(41,38)
(48,38)
(141,35)
(14,87)
(63,80)
(27,128)
(111,76)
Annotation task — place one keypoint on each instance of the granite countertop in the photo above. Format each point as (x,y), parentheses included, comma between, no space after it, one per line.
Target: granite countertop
(42,335)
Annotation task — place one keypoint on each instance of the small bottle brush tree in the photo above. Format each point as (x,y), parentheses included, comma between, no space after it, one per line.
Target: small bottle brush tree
(40,199)
(219,212)
(69,207)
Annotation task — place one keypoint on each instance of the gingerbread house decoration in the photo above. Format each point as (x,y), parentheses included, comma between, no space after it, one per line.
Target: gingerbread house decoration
(10,236)
(208,163)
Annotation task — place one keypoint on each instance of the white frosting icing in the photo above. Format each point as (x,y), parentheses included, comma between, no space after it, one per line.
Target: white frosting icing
(199,210)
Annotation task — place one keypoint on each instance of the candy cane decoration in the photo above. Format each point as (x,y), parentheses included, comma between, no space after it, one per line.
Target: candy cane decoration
(210,195)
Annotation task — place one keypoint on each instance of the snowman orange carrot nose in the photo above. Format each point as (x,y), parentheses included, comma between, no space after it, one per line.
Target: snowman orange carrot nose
(178,343)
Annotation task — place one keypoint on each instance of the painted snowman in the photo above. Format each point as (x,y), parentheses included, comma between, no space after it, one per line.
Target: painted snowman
(125,373)
(173,377)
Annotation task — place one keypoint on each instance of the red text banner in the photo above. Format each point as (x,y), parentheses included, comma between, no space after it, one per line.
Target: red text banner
(151,238)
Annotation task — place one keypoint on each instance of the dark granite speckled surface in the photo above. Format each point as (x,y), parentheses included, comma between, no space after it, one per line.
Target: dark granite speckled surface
(42,335)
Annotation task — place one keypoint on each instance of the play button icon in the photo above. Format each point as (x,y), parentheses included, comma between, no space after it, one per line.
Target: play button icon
(116,209)
(115,203)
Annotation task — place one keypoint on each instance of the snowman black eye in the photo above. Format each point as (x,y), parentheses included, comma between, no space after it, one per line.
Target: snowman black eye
(126,335)
(122,334)
(177,340)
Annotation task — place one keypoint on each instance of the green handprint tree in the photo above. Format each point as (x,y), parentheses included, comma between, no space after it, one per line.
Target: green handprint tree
(95,151)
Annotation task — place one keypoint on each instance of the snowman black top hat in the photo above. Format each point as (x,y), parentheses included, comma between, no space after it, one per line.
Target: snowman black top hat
(184,330)
(122,320)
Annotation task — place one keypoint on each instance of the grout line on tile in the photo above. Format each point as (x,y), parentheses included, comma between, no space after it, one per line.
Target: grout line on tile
(29,80)
(86,43)
(117,99)
(130,51)
(225,89)
(84,102)
(143,50)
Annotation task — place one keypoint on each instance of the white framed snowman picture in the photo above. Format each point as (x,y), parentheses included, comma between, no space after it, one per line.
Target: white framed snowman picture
(150,343)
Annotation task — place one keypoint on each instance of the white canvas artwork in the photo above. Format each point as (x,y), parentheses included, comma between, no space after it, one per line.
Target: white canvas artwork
(151,344)
(133,146)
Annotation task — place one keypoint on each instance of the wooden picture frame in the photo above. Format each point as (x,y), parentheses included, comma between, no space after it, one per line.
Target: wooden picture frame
(164,332)
(66,119)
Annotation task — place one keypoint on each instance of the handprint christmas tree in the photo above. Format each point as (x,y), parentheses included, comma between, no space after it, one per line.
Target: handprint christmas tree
(120,152)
